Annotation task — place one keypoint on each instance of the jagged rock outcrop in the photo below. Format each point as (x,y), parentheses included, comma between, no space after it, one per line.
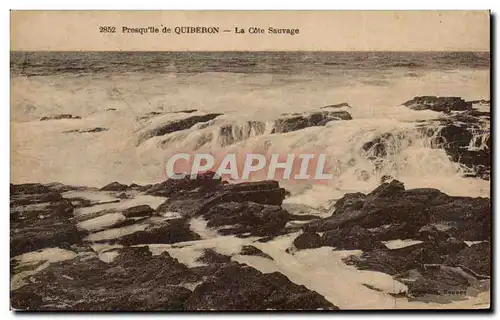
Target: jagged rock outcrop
(40,218)
(391,209)
(441,261)
(114,186)
(239,287)
(99,259)
(176,125)
(89,130)
(59,117)
(441,104)
(243,208)
(246,218)
(136,280)
(308,240)
(337,106)
(464,133)
(315,119)
(253,251)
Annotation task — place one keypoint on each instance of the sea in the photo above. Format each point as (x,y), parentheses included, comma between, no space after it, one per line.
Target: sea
(119,101)
(125,94)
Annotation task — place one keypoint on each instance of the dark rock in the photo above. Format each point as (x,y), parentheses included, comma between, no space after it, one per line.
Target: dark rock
(48,224)
(304,217)
(123,195)
(386,178)
(434,232)
(250,218)
(390,212)
(369,286)
(232,133)
(213,257)
(138,211)
(178,188)
(337,106)
(465,136)
(438,281)
(393,231)
(455,140)
(136,280)
(114,186)
(310,120)
(143,188)
(397,260)
(172,231)
(289,296)
(177,125)
(477,257)
(308,240)
(78,202)
(91,130)
(239,287)
(195,197)
(351,239)
(388,190)
(386,143)
(451,246)
(469,218)
(253,251)
(482,101)
(59,117)
(263,192)
(441,104)
(375,212)
(186,111)
(349,200)
(25,300)
(27,199)
(28,188)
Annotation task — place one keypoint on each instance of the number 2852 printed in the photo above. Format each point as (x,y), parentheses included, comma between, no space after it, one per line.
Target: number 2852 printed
(107,29)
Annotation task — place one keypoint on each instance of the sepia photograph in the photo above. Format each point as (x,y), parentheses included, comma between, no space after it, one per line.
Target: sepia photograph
(261,161)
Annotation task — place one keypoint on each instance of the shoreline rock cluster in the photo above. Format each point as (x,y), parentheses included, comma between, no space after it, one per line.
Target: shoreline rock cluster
(127,276)
(42,219)
(439,261)
(79,248)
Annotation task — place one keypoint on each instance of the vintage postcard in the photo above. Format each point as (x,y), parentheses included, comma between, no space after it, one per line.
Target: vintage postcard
(250,160)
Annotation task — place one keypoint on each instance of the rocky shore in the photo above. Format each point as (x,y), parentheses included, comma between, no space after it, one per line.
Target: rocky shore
(67,257)
(205,243)
(76,248)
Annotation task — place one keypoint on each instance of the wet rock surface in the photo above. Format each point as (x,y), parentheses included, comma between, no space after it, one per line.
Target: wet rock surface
(89,260)
(440,104)
(463,132)
(40,218)
(176,125)
(308,240)
(240,287)
(392,209)
(60,116)
(315,119)
(108,265)
(440,262)
(136,280)
(253,251)
(114,186)
(90,130)
(249,208)
(461,129)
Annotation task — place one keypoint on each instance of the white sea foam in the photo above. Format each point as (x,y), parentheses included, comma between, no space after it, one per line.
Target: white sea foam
(43,151)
